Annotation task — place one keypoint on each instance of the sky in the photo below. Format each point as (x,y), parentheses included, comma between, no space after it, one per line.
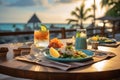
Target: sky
(48,11)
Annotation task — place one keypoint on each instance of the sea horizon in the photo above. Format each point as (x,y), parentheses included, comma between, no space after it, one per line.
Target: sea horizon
(29,26)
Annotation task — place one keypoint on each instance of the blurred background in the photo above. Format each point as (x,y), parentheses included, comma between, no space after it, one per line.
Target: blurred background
(28,15)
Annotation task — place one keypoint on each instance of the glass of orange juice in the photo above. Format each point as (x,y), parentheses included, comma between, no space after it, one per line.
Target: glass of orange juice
(41,37)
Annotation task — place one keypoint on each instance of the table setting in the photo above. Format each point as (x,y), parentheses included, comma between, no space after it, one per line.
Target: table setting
(64,56)
(61,54)
(61,59)
(63,64)
(103,41)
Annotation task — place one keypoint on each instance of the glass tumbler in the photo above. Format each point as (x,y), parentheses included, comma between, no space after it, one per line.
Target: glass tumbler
(41,38)
(80,41)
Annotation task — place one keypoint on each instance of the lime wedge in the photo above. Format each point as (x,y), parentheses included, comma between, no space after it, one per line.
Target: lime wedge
(78,34)
(43,28)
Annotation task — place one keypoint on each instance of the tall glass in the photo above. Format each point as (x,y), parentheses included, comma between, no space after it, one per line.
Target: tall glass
(41,38)
(80,41)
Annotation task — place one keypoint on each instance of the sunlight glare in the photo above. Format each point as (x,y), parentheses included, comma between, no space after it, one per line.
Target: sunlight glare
(100,24)
(89,3)
(100,65)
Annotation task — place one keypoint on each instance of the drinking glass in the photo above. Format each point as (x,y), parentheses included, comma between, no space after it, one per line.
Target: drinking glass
(95,44)
(41,38)
(80,41)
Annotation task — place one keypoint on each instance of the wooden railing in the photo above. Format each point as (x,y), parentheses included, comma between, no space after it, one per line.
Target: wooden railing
(63,31)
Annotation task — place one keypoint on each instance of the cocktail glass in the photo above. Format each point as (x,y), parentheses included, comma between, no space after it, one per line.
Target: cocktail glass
(41,38)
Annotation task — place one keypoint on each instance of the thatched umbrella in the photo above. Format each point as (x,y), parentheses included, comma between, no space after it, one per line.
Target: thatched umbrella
(109,18)
(113,20)
(34,19)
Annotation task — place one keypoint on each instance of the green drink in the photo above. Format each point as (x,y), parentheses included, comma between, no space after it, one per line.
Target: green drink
(80,42)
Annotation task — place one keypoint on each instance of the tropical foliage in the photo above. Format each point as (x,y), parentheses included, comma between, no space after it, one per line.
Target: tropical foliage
(114,7)
(81,14)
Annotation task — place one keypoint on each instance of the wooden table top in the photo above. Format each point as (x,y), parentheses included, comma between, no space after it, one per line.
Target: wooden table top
(106,69)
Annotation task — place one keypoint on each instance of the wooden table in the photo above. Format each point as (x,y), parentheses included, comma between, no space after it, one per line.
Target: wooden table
(103,70)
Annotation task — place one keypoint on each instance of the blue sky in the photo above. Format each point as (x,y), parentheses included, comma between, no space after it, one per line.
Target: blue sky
(48,11)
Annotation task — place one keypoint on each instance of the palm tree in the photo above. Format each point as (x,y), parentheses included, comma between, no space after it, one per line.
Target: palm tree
(94,8)
(114,9)
(81,14)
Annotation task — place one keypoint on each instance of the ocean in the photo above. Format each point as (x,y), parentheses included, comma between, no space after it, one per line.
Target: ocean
(12,27)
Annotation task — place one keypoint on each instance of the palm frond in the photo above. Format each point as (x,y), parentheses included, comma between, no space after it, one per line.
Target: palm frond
(112,12)
(104,3)
(82,8)
(71,20)
(86,11)
(75,14)
(94,7)
(89,16)
(80,13)
(77,9)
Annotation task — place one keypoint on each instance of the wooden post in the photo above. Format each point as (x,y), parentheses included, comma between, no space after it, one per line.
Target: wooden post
(113,29)
(63,33)
(103,29)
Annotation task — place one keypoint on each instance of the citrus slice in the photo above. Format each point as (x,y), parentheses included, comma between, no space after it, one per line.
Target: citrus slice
(94,38)
(78,34)
(54,53)
(43,28)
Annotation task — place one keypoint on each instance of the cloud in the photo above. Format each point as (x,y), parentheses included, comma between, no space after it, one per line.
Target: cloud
(7,2)
(29,3)
(21,3)
(45,3)
(2,2)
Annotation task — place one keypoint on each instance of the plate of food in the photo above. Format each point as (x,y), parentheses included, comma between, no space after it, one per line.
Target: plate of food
(101,40)
(68,54)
